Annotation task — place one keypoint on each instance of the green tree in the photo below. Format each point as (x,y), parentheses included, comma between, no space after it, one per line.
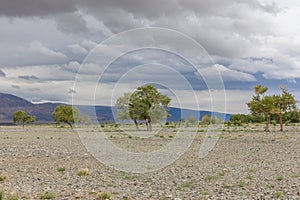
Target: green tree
(22,117)
(192,120)
(145,103)
(66,114)
(206,119)
(283,103)
(239,119)
(215,120)
(123,106)
(291,117)
(262,104)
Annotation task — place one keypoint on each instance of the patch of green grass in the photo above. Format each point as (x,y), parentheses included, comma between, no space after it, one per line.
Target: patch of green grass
(103,196)
(220,174)
(278,194)
(171,136)
(2,178)
(187,184)
(205,193)
(48,195)
(209,177)
(225,186)
(110,184)
(128,176)
(1,194)
(83,172)
(241,184)
(61,169)
(270,185)
(251,170)
(249,176)
(263,142)
(216,176)
(279,178)
(12,198)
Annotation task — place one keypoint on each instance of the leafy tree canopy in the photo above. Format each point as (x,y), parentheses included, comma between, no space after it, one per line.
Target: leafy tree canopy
(145,103)
(22,117)
(267,105)
(66,114)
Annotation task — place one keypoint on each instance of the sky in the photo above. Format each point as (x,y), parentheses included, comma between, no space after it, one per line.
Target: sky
(205,55)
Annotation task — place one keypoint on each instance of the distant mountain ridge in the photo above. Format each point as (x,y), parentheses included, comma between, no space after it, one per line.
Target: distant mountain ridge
(10,103)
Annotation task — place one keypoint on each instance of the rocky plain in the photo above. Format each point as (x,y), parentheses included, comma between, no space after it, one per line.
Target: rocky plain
(48,162)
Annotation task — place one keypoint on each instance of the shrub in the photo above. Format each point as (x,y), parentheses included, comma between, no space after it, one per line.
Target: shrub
(61,169)
(277,194)
(12,198)
(83,172)
(2,178)
(279,178)
(48,195)
(103,196)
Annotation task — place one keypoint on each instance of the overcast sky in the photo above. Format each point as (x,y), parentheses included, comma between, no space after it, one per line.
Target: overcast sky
(247,42)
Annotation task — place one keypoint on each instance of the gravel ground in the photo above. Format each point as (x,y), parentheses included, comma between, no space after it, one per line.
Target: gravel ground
(244,164)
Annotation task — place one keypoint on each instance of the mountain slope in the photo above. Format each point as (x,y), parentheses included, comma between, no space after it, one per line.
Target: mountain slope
(43,112)
(10,103)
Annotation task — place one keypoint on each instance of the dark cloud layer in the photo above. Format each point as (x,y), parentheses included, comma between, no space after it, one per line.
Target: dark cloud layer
(2,74)
(44,42)
(27,77)
(35,8)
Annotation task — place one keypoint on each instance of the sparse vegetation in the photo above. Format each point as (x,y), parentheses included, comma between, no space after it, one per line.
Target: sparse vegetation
(279,178)
(249,176)
(226,186)
(232,178)
(61,169)
(2,178)
(103,196)
(241,184)
(12,198)
(83,172)
(48,195)
(270,185)
(187,184)
(278,194)
(216,176)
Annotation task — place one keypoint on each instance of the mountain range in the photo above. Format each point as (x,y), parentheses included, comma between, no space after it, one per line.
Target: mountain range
(43,112)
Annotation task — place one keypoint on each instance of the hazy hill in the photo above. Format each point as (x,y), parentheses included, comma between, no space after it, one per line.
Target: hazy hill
(10,103)
(43,112)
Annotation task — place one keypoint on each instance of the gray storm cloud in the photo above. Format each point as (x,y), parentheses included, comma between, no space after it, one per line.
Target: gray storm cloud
(49,39)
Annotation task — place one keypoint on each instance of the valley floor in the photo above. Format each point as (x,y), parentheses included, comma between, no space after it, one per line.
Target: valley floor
(245,163)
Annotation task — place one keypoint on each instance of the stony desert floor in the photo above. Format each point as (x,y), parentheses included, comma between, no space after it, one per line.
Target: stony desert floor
(46,162)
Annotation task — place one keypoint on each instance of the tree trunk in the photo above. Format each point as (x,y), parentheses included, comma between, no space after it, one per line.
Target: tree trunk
(136,124)
(281,121)
(267,129)
(70,124)
(148,124)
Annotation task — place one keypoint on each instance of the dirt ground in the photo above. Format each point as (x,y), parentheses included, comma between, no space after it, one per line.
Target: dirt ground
(41,162)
